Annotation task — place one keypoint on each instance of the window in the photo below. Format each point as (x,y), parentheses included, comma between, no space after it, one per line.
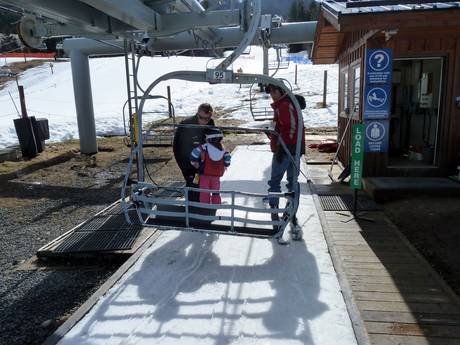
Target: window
(344,92)
(356,89)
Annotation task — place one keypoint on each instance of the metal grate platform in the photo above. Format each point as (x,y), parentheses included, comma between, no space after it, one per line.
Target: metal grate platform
(107,231)
(344,202)
(86,241)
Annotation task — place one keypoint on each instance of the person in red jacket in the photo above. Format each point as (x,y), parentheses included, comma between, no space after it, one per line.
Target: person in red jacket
(211,159)
(286,124)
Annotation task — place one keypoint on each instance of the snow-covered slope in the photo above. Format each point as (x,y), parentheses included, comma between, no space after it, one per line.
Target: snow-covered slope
(50,95)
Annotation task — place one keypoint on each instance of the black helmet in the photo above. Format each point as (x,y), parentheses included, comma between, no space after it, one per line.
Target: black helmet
(214,135)
(269,87)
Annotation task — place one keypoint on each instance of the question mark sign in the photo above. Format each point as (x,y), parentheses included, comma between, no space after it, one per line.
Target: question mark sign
(379,57)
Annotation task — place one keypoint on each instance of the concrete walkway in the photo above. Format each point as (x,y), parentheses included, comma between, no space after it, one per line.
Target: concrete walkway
(400,299)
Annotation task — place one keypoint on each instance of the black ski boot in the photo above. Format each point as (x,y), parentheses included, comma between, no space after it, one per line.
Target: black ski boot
(275,217)
(296,230)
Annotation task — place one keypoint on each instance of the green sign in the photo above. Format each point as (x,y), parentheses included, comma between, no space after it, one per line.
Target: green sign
(357,156)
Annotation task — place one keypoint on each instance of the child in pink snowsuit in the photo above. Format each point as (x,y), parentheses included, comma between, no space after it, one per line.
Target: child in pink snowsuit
(211,159)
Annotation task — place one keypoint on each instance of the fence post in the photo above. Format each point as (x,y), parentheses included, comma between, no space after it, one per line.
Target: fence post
(295,78)
(23,101)
(169,101)
(325,89)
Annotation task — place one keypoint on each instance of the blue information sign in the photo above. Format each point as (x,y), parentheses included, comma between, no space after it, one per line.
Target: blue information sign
(379,66)
(376,138)
(377,101)
(377,97)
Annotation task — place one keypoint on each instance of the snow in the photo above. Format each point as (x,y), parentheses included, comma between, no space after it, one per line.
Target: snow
(193,288)
(50,95)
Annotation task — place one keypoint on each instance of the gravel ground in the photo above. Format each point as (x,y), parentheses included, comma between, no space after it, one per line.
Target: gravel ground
(33,303)
(41,199)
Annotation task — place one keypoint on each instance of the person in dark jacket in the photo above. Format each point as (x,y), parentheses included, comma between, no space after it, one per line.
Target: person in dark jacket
(186,139)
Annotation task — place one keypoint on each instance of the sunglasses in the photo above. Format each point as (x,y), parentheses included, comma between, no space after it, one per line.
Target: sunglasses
(204,118)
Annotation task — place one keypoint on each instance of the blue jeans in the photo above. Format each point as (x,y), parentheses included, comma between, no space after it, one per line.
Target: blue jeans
(279,168)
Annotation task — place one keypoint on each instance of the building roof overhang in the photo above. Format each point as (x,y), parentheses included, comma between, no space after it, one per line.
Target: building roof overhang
(334,23)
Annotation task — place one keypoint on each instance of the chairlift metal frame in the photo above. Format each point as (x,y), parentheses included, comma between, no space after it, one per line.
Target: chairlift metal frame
(149,208)
(278,64)
(259,113)
(262,113)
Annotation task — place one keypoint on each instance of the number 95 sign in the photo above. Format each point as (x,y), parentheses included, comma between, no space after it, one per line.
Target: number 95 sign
(219,76)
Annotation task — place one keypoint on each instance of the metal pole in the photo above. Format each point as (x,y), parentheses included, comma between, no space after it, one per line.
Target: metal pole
(265,66)
(355,202)
(325,89)
(265,52)
(12,100)
(187,221)
(233,212)
(83,101)
(295,78)
(169,101)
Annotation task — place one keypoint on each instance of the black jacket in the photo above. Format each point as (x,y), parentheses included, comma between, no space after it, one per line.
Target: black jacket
(186,139)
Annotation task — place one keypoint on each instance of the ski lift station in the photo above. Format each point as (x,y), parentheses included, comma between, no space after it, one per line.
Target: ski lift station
(417,106)
(240,272)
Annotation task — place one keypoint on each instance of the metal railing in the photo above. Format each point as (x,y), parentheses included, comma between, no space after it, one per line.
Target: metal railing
(149,207)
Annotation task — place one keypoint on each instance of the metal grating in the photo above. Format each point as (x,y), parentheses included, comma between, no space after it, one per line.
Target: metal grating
(344,202)
(87,241)
(108,231)
(105,232)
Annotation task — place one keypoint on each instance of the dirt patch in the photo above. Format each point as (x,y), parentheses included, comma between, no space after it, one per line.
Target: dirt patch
(432,225)
(60,170)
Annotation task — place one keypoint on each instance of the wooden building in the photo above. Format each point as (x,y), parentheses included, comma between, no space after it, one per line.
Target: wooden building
(424,121)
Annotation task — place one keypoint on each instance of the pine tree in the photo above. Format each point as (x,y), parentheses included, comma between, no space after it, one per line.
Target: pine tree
(301,13)
(297,12)
(313,11)
(292,17)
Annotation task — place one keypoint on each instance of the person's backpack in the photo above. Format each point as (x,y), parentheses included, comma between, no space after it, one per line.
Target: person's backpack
(301,100)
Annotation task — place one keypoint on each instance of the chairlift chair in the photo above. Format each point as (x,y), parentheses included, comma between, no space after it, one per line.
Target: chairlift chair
(142,198)
(234,217)
(259,113)
(156,135)
(280,62)
(262,113)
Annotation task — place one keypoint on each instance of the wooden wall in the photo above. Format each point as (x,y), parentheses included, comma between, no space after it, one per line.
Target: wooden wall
(353,52)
